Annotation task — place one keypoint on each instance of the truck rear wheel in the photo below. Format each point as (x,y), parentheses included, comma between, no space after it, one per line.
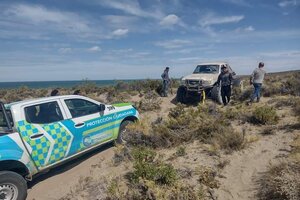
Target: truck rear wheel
(123,132)
(12,186)
(181,95)
(216,94)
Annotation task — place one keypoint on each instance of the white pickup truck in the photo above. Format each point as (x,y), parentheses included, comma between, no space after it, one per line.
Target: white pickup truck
(36,135)
(202,82)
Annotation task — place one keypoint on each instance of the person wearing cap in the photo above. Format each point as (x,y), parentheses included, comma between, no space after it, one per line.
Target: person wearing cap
(225,80)
(256,80)
(166,82)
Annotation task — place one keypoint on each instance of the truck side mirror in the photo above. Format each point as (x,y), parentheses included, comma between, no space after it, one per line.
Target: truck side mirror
(101,107)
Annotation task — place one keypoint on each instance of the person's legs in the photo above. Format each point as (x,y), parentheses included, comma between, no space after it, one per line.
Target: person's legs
(228,93)
(254,95)
(258,91)
(223,94)
(165,88)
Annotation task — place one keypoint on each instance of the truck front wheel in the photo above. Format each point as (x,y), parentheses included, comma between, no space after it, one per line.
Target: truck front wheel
(216,94)
(12,186)
(181,94)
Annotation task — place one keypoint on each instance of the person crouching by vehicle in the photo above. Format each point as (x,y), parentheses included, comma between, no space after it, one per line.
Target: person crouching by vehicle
(166,82)
(226,79)
(256,80)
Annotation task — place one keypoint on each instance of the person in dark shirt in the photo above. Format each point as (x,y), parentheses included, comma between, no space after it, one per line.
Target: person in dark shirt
(225,79)
(166,82)
(54,92)
(77,92)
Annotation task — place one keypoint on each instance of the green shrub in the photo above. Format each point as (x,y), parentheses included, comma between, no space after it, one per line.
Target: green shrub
(207,177)
(281,182)
(181,151)
(230,140)
(264,115)
(177,111)
(146,167)
(149,102)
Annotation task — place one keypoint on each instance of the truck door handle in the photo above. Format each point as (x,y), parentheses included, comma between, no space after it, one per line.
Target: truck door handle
(79,125)
(35,136)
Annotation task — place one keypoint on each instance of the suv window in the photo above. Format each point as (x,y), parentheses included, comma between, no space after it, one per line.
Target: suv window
(43,113)
(81,107)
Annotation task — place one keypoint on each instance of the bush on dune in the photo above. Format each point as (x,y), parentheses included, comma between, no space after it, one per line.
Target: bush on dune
(186,125)
(281,182)
(264,115)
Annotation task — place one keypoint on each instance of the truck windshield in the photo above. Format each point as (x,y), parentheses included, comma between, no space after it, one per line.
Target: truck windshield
(207,69)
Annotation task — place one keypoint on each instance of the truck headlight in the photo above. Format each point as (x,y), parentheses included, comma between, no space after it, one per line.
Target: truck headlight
(208,82)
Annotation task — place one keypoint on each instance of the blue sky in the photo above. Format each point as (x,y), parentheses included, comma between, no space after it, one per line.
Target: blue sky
(131,39)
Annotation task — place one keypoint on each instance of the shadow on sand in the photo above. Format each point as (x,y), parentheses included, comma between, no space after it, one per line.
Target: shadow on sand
(67,165)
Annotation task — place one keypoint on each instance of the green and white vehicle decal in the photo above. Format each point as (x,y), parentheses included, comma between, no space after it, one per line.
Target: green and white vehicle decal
(74,125)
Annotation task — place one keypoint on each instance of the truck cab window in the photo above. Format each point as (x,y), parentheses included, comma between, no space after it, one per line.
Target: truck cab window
(81,107)
(2,118)
(43,113)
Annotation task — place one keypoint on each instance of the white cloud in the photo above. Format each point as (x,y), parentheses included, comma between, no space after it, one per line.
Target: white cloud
(276,54)
(169,20)
(246,29)
(119,20)
(213,19)
(120,32)
(38,15)
(287,3)
(94,49)
(64,50)
(130,7)
(172,44)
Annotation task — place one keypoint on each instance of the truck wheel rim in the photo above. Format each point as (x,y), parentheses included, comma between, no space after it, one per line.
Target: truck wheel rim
(124,135)
(8,191)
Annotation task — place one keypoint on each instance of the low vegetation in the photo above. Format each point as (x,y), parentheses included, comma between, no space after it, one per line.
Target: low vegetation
(264,115)
(149,175)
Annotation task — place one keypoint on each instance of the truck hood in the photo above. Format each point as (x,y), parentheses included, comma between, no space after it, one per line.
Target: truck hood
(205,77)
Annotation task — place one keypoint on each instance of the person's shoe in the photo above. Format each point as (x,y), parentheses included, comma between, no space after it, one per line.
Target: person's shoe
(258,99)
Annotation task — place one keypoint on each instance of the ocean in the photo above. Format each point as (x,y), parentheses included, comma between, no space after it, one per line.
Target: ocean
(57,84)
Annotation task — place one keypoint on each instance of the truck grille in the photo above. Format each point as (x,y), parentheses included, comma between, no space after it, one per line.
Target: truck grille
(194,82)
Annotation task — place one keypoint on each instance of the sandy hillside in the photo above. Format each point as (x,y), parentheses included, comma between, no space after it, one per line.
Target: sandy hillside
(237,179)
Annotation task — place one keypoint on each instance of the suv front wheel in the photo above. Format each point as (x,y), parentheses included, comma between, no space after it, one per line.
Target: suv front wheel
(12,186)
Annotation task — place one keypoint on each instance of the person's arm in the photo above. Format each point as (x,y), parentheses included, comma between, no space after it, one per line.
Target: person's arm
(231,78)
(219,80)
(163,75)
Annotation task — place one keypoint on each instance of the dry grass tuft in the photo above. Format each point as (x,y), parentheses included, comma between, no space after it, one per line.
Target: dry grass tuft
(264,115)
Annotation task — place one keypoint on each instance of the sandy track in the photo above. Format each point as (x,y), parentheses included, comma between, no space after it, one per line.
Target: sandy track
(58,181)
(242,174)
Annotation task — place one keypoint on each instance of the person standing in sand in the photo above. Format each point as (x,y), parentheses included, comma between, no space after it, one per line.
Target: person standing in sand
(256,80)
(225,79)
(166,82)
